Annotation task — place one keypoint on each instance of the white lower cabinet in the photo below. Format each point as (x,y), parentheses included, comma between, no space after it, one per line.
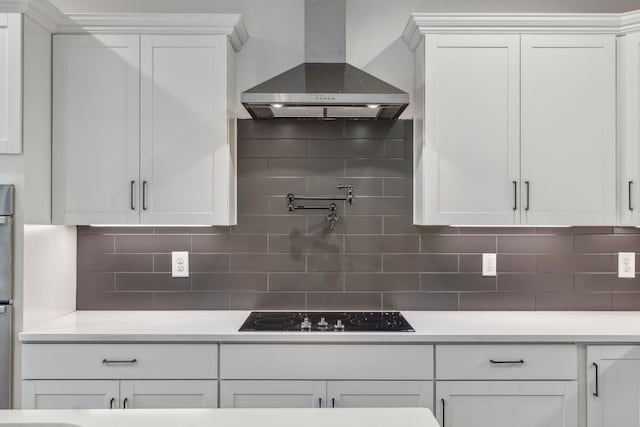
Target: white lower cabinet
(272,394)
(70,394)
(169,394)
(613,386)
(112,394)
(380,394)
(506,385)
(325,394)
(94,376)
(507,403)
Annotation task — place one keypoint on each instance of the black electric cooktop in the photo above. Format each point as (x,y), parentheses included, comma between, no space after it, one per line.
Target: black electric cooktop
(330,321)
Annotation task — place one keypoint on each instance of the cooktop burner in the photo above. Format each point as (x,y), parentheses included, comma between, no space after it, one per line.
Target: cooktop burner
(330,321)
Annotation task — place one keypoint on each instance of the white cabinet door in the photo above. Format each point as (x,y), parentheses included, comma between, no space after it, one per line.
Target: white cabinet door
(613,386)
(568,129)
(468,161)
(95,129)
(272,394)
(10,83)
(507,403)
(185,148)
(629,125)
(379,394)
(168,394)
(49,394)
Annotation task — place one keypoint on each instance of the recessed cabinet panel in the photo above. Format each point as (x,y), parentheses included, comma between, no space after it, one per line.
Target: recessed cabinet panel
(306,361)
(507,403)
(95,129)
(629,125)
(151,394)
(184,145)
(10,83)
(613,386)
(272,394)
(380,394)
(70,394)
(471,144)
(569,129)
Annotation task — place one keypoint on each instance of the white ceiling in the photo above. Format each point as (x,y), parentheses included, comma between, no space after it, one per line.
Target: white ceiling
(221,6)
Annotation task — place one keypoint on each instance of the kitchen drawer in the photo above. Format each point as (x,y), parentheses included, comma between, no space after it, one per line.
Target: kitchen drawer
(322,361)
(493,362)
(152,361)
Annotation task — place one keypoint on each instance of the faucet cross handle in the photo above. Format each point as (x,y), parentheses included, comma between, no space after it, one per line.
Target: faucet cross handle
(349,188)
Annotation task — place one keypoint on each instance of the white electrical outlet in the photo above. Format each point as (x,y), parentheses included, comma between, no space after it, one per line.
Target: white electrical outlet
(179,264)
(627,264)
(489,262)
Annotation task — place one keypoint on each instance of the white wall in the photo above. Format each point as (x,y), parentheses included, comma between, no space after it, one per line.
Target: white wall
(49,279)
(276,29)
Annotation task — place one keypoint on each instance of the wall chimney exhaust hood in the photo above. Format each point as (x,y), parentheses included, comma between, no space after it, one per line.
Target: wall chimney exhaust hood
(325,86)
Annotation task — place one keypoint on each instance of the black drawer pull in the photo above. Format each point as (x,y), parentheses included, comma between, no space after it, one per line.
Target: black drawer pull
(506,362)
(119,362)
(597,392)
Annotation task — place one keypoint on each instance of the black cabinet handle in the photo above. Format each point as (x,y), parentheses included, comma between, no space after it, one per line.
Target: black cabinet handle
(443,411)
(319,402)
(144,195)
(133,185)
(333,402)
(597,392)
(515,195)
(119,362)
(111,402)
(124,403)
(630,206)
(528,187)
(506,362)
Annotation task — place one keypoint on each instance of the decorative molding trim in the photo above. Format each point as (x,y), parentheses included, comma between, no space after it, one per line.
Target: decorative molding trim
(630,22)
(420,24)
(40,11)
(230,25)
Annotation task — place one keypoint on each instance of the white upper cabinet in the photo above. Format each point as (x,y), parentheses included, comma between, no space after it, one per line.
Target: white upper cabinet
(184,132)
(10,83)
(96,129)
(515,120)
(470,151)
(144,124)
(569,129)
(629,129)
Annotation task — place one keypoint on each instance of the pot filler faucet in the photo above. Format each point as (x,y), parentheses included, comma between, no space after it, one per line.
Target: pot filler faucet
(332,216)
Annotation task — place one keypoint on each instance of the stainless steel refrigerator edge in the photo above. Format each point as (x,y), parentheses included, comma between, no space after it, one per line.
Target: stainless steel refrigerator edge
(6,292)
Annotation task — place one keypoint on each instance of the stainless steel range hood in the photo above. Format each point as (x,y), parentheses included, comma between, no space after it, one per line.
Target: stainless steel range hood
(325,86)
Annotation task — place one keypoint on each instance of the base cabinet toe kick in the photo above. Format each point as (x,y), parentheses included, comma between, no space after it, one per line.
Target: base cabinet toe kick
(530,385)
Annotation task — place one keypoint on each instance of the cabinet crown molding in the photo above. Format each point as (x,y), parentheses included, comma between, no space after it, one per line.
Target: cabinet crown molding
(420,24)
(231,25)
(630,22)
(40,11)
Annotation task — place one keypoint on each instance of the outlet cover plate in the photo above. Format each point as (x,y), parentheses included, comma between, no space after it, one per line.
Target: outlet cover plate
(489,265)
(626,265)
(179,264)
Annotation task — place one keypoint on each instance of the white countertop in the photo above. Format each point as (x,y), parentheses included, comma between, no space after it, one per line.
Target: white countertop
(432,327)
(374,417)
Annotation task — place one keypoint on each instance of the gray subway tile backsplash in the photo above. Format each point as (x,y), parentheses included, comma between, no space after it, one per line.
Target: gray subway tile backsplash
(375,259)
